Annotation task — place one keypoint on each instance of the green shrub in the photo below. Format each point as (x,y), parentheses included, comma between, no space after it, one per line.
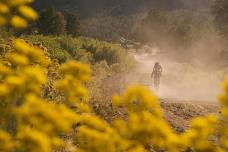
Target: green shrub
(83,49)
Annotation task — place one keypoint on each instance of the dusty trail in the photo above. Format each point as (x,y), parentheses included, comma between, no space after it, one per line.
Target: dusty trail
(179,114)
(186,91)
(180,81)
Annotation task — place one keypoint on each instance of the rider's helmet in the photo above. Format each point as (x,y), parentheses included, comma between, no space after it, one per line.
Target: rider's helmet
(157,64)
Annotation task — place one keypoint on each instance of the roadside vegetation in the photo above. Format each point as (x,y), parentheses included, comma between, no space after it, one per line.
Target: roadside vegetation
(52,88)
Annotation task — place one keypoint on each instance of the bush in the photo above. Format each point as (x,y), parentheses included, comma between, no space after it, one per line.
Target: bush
(83,49)
(51,22)
(29,122)
(52,45)
(73,26)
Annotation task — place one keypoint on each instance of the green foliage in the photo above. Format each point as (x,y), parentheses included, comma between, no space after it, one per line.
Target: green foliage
(219,10)
(36,129)
(52,44)
(45,22)
(73,26)
(51,22)
(83,49)
(172,26)
(111,28)
(31,123)
(220,13)
(103,51)
(157,19)
(154,26)
(112,19)
(60,23)
(88,8)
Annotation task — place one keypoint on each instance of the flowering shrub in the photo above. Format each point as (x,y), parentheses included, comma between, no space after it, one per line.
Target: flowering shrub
(22,13)
(30,123)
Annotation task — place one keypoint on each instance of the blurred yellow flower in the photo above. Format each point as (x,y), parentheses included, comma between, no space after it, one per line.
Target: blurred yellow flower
(18,59)
(4,90)
(2,20)
(18,22)
(4,8)
(4,70)
(28,12)
(39,122)
(19,2)
(6,143)
(27,137)
(15,82)
(21,46)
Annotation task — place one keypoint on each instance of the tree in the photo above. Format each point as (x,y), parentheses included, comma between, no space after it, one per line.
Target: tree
(153,27)
(219,10)
(60,23)
(51,22)
(72,24)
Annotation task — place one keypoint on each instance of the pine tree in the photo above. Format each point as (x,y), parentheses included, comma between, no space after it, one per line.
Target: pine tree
(59,23)
(51,22)
(73,26)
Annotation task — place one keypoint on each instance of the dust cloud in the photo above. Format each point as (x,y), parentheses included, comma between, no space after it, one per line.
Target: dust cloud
(180,80)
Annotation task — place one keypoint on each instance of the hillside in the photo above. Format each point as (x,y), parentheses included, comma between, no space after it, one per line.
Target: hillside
(88,8)
(113,76)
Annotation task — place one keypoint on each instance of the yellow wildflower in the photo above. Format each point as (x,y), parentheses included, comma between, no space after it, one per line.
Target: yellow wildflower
(15,82)
(94,122)
(6,144)
(77,69)
(57,142)
(18,22)
(4,90)
(2,20)
(21,46)
(4,8)
(28,12)
(39,122)
(225,112)
(83,107)
(36,111)
(28,138)
(4,70)
(35,55)
(35,74)
(138,99)
(138,148)
(18,59)
(19,2)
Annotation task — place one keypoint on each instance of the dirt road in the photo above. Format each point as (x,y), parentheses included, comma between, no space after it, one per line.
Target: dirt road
(180,80)
(186,91)
(180,113)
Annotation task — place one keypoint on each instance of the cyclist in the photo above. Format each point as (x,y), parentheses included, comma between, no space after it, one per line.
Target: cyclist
(156,75)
